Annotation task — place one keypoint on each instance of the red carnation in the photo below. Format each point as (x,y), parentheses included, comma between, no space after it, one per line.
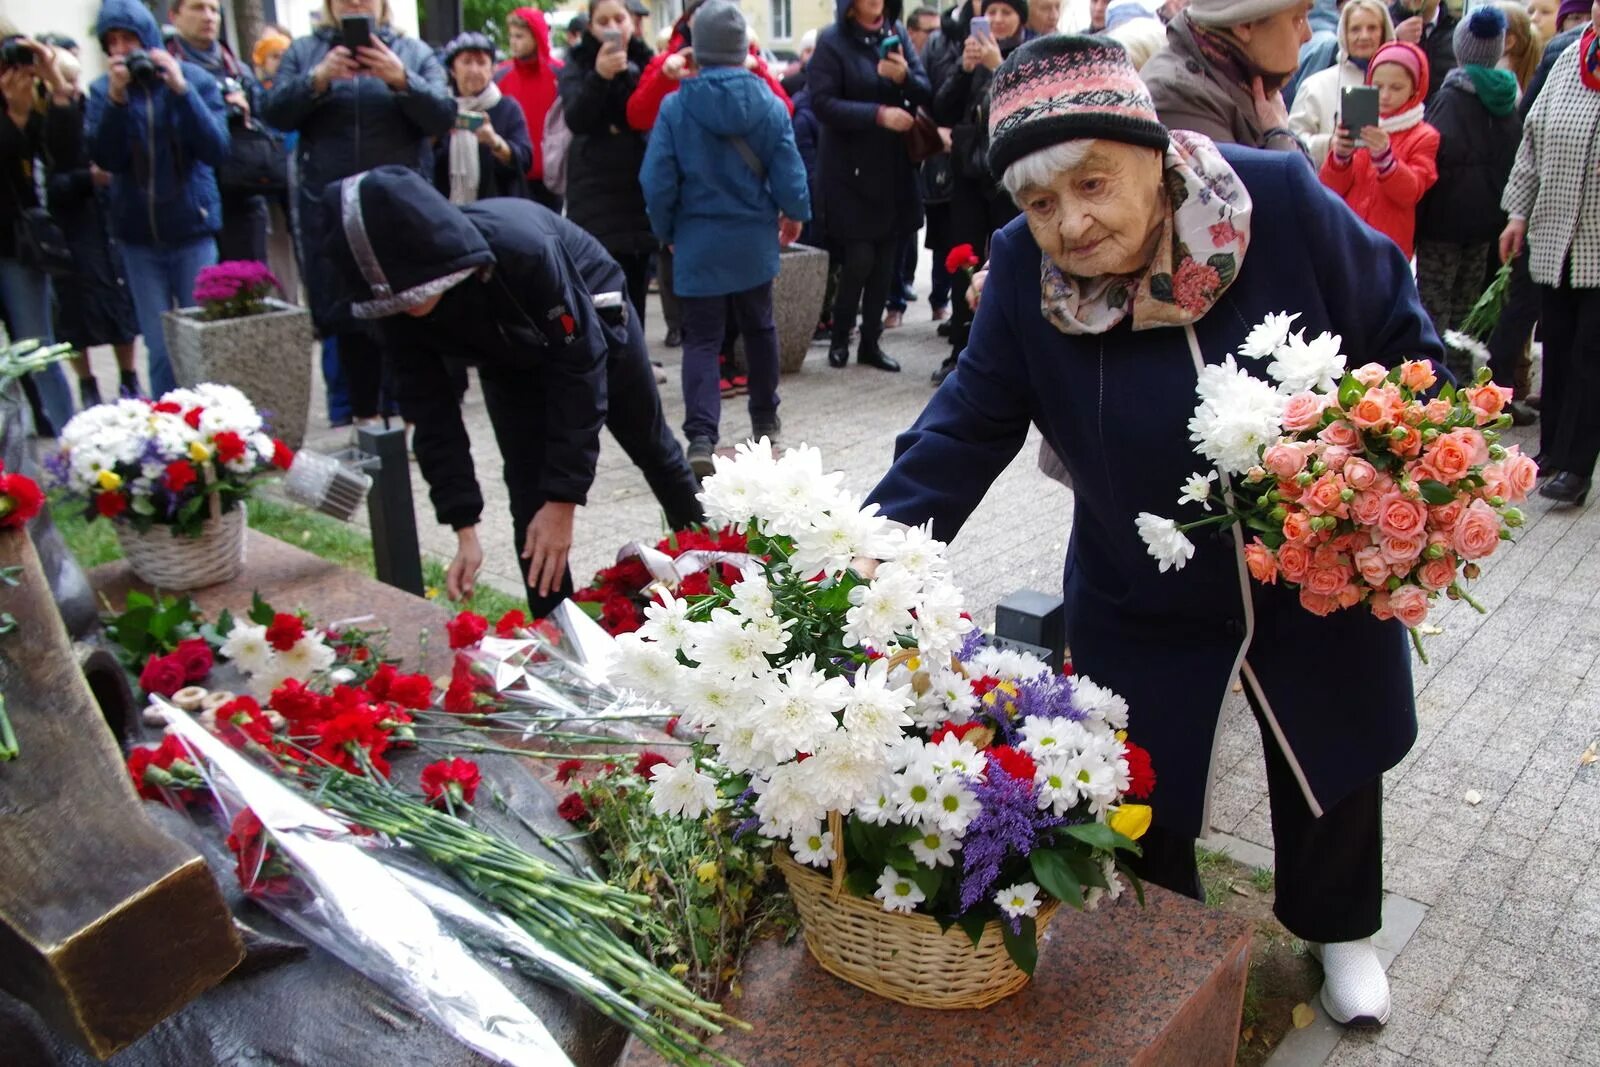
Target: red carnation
(959,730)
(230,446)
(192,417)
(460,698)
(694,585)
(413,691)
(285,631)
(1018,765)
(618,615)
(568,769)
(110,505)
(20,499)
(167,407)
(195,655)
(961,257)
(150,767)
(647,760)
(241,720)
(353,738)
(179,476)
(450,782)
(260,869)
(572,808)
(282,455)
(1141,775)
(466,629)
(672,727)
(301,706)
(164,675)
(983,685)
(378,685)
(510,623)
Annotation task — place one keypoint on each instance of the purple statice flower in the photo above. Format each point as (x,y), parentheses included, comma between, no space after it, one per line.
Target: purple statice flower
(749,826)
(1008,827)
(971,644)
(59,467)
(1048,696)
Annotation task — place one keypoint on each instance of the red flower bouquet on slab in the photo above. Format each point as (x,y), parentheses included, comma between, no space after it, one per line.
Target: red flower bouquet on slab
(617,595)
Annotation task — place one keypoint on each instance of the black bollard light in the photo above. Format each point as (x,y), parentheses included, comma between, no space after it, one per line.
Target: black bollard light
(396,555)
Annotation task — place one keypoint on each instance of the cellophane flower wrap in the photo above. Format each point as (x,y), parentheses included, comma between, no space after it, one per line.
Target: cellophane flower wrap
(974,784)
(234,288)
(685,560)
(158,463)
(1370,486)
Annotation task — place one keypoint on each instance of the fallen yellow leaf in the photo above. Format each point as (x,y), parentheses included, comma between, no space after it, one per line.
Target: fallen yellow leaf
(1590,754)
(1303,1016)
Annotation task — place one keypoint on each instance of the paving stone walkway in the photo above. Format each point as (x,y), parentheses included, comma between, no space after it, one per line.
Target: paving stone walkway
(1504,967)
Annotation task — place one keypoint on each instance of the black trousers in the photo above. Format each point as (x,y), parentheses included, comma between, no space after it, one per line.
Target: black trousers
(1515,328)
(361,359)
(636,269)
(635,419)
(1328,871)
(244,229)
(1569,322)
(868,270)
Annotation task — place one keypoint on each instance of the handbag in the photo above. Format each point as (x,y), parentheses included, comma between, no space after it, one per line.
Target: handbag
(556,143)
(937,179)
(257,163)
(41,245)
(922,139)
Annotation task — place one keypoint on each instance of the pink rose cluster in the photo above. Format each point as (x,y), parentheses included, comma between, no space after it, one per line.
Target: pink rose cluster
(1377,496)
(234,287)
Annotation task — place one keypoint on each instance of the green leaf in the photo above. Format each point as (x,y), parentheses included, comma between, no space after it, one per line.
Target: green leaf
(928,879)
(1023,946)
(1087,871)
(261,612)
(1350,391)
(1133,880)
(1099,835)
(1435,492)
(972,924)
(224,625)
(861,882)
(1056,877)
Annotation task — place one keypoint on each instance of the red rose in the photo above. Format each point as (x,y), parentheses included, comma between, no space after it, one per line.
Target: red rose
(647,760)
(510,623)
(195,655)
(456,779)
(1018,765)
(572,808)
(285,631)
(961,257)
(110,505)
(20,500)
(164,675)
(192,417)
(414,691)
(466,629)
(568,769)
(460,699)
(1141,775)
(282,455)
(301,706)
(230,446)
(179,476)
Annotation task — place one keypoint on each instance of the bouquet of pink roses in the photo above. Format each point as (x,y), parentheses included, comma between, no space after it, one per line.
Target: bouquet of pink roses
(1356,488)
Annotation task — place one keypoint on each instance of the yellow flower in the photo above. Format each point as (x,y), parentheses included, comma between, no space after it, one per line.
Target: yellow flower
(679,970)
(110,481)
(706,872)
(1131,820)
(199,452)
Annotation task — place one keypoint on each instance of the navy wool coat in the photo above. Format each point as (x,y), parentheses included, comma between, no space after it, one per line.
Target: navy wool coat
(1336,691)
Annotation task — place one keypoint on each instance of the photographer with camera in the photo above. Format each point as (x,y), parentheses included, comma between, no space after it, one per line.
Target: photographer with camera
(257,166)
(159,125)
(29,241)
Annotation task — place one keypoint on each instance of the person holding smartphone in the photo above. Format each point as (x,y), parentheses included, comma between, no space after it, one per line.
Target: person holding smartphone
(361,94)
(489,150)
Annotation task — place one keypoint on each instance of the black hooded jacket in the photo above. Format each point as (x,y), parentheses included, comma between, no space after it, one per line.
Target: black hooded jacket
(603,193)
(524,313)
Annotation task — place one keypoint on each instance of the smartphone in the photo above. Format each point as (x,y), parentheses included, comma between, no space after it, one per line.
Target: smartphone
(980,26)
(611,38)
(469,120)
(355,31)
(1358,108)
(608,300)
(889,44)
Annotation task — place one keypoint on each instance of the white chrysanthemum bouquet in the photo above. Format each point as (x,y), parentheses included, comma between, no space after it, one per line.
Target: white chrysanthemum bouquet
(158,463)
(974,783)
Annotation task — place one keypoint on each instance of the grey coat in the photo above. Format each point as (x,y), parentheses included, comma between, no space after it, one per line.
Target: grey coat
(1190,94)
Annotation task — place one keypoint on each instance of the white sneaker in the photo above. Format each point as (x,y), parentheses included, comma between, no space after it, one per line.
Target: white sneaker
(1355,991)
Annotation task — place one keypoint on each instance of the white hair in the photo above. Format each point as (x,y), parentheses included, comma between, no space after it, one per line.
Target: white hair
(1040,169)
(808,41)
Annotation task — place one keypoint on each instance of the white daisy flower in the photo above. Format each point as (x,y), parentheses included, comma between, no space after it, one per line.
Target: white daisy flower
(898,892)
(1020,901)
(667,623)
(308,656)
(1058,789)
(934,848)
(1099,703)
(914,791)
(814,849)
(956,804)
(1164,541)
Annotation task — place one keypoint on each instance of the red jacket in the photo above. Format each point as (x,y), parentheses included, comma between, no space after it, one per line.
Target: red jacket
(531,82)
(654,86)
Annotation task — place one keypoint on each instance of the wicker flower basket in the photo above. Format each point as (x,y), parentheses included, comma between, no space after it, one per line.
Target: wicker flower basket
(176,563)
(905,958)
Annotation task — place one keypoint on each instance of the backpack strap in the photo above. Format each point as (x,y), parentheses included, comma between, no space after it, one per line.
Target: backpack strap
(749,156)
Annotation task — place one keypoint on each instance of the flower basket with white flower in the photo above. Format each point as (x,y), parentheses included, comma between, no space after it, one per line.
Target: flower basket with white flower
(172,476)
(958,793)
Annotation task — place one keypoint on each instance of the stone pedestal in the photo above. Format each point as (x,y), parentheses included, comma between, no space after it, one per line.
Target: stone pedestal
(267,357)
(1158,987)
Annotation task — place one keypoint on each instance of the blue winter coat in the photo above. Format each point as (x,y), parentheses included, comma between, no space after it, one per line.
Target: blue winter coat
(704,199)
(160,147)
(1116,407)
(867,188)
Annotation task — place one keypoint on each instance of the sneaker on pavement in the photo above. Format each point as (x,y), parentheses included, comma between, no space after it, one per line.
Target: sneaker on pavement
(1355,991)
(726,386)
(700,453)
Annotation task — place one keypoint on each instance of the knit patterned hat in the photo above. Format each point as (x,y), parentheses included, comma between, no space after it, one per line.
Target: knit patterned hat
(1480,38)
(1063,87)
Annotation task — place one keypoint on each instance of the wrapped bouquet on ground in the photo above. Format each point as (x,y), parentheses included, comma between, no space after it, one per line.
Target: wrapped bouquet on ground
(852,715)
(1373,486)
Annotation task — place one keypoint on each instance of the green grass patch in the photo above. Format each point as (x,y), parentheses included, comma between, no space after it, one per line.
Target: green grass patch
(95,543)
(1262,880)
(1216,873)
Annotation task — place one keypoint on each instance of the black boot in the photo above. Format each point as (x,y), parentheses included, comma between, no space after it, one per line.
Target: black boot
(944,370)
(870,355)
(839,354)
(88,391)
(1566,488)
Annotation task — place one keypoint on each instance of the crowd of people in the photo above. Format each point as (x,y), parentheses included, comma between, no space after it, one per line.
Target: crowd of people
(689,168)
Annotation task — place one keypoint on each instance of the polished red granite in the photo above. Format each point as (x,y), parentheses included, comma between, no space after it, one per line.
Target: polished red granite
(1152,988)
(290,579)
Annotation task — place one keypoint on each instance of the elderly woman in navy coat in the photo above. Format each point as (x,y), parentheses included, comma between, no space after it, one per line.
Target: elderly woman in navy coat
(1092,325)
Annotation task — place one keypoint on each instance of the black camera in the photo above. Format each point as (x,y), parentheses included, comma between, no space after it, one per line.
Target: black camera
(229,87)
(141,68)
(13,53)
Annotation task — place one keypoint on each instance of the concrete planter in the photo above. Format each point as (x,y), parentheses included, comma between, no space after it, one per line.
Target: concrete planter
(797,294)
(267,356)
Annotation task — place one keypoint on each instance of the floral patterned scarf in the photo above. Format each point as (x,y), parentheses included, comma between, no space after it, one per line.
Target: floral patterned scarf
(1202,245)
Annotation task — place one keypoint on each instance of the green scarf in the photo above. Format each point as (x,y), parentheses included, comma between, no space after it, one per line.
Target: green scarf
(1496,88)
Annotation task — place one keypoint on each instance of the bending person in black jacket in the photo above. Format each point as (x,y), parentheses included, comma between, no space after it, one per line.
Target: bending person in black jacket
(504,284)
